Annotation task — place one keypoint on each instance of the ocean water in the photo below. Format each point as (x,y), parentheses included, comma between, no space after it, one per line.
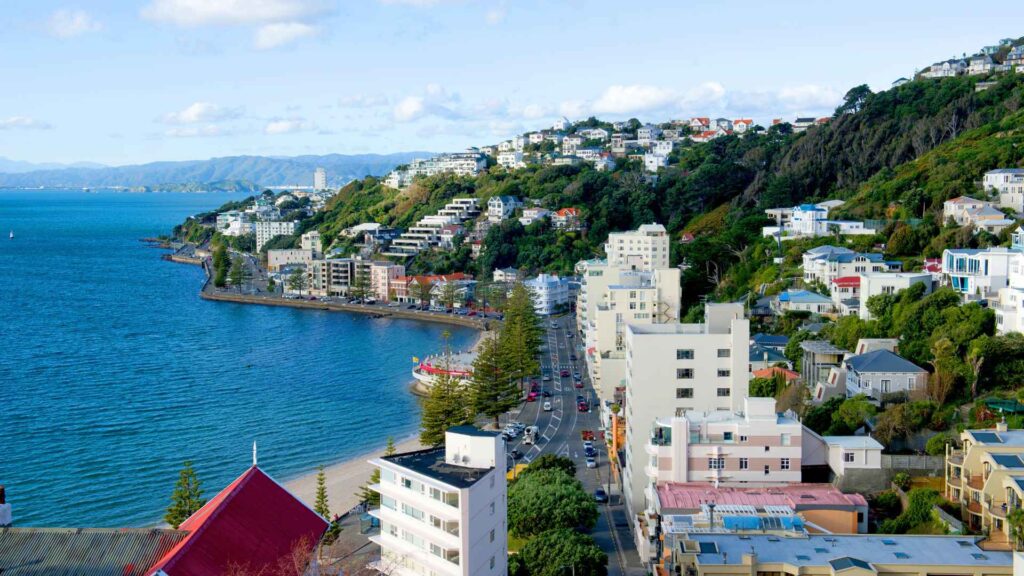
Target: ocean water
(113,371)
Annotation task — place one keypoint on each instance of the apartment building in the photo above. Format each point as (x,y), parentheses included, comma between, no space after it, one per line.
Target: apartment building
(330,277)
(875,283)
(460,164)
(826,263)
(384,279)
(978,273)
(986,476)
(427,232)
(982,215)
(265,231)
(311,241)
(549,292)
(443,510)
(1009,184)
(320,179)
(672,369)
(809,221)
(645,248)
(278,259)
(500,208)
(834,554)
(1010,307)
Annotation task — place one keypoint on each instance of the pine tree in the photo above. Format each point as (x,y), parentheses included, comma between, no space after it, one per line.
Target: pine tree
(372,497)
(321,507)
(521,334)
(187,497)
(492,391)
(445,406)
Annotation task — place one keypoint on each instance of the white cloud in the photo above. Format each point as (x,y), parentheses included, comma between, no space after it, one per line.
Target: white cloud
(288,126)
(71,23)
(229,12)
(418,3)
(573,108)
(199,131)
(23,123)
(496,15)
(435,101)
(628,99)
(809,96)
(199,112)
(409,108)
(279,34)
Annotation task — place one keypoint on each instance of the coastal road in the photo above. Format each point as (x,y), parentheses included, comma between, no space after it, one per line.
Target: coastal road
(560,433)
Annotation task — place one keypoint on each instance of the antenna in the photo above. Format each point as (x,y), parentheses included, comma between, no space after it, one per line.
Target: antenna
(253,452)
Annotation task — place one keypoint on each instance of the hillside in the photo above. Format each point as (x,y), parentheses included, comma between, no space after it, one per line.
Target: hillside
(233,173)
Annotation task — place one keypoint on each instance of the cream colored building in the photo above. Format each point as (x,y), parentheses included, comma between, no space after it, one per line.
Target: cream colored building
(986,476)
(265,231)
(277,259)
(646,248)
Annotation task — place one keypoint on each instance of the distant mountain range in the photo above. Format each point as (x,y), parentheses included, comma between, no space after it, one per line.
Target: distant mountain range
(228,173)
(16,166)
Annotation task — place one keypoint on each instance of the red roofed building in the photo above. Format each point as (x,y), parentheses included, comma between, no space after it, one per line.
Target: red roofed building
(741,125)
(253,526)
(774,371)
(566,219)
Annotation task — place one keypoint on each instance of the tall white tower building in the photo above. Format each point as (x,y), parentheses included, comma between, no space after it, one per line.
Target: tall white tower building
(320,179)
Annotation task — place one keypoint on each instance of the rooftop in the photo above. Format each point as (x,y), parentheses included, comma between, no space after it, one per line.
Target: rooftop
(430,463)
(848,550)
(803,297)
(821,347)
(691,495)
(1008,460)
(84,551)
(992,437)
(882,361)
(853,442)
(770,339)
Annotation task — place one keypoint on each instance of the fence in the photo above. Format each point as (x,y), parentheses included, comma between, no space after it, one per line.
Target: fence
(913,462)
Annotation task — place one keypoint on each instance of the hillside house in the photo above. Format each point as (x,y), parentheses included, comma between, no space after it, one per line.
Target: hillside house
(801,301)
(1009,184)
(880,373)
(500,208)
(980,64)
(977,273)
(566,219)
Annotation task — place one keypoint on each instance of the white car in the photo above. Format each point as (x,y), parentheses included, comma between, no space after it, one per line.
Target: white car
(547,406)
(591,463)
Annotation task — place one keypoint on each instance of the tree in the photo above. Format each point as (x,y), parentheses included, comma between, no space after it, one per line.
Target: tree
(854,100)
(852,414)
(892,424)
(297,281)
(271,285)
(946,366)
(321,506)
(819,418)
(423,290)
(239,273)
(221,261)
(549,462)
(1015,520)
(187,497)
(521,335)
(766,387)
(548,500)
(372,497)
(447,404)
(562,552)
(492,391)
(360,287)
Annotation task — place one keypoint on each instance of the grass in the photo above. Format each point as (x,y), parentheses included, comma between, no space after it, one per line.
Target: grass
(927,482)
(932,526)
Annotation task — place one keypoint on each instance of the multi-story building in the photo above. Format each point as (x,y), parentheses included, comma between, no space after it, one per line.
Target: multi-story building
(835,554)
(384,278)
(978,273)
(427,232)
(1010,307)
(531,215)
(501,207)
(506,275)
(875,283)
(845,294)
(880,374)
(986,476)
(443,510)
(1009,184)
(278,259)
(672,369)
(330,277)
(265,231)
(566,219)
(234,223)
(654,161)
(826,263)
(982,215)
(980,64)
(311,241)
(645,248)
(320,179)
(810,221)
(511,160)
(550,293)
(460,164)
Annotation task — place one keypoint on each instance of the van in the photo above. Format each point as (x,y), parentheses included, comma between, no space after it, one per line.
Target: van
(547,406)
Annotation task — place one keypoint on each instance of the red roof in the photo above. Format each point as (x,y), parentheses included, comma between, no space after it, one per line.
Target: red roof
(254,524)
(743,121)
(690,496)
(431,279)
(566,212)
(847,281)
(702,120)
(789,375)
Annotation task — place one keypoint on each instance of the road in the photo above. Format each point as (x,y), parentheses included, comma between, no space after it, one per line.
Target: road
(560,434)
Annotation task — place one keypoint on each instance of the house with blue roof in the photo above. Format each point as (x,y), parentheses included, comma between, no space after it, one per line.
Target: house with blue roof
(810,221)
(826,263)
(802,301)
(776,342)
(880,374)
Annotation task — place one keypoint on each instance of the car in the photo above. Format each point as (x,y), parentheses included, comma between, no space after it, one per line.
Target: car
(600,496)
(591,463)
(546,378)
(545,393)
(570,335)
(589,452)
(564,373)
(517,425)
(587,434)
(577,376)
(531,397)
(547,407)
(572,358)
(588,444)
(515,454)
(471,313)
(554,324)
(578,384)
(534,387)
(582,407)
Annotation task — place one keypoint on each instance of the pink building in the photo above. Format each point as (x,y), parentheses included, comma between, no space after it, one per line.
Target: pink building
(384,279)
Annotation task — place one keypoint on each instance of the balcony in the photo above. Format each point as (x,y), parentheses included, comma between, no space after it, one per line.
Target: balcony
(651,472)
(974,507)
(999,508)
(976,482)
(443,566)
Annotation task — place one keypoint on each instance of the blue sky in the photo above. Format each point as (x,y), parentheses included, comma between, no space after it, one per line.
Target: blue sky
(128,81)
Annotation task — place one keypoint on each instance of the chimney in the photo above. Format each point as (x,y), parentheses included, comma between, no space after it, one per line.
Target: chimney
(5,509)
(1000,427)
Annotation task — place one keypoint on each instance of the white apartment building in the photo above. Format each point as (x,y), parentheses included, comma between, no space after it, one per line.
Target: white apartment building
(978,273)
(809,221)
(550,293)
(265,231)
(654,161)
(500,208)
(875,283)
(234,223)
(511,160)
(1010,307)
(645,248)
(826,263)
(531,215)
(647,134)
(277,259)
(320,179)
(330,277)
(311,241)
(1009,184)
(672,369)
(461,164)
(443,511)
(427,232)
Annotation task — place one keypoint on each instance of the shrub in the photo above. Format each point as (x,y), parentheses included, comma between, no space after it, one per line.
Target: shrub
(902,481)
(936,445)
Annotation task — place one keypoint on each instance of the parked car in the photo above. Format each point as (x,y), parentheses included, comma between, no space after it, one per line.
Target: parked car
(546,378)
(590,452)
(577,376)
(591,463)
(588,444)
(572,357)
(600,496)
(570,335)
(547,406)
(564,373)
(515,454)
(587,434)
(583,407)
(578,384)
(531,397)
(545,393)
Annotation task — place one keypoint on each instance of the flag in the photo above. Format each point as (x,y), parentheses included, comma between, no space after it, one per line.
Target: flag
(415,360)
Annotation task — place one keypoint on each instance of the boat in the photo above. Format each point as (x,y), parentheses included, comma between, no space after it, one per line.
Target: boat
(11,236)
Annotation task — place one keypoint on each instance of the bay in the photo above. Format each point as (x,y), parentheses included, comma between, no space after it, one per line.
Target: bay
(113,371)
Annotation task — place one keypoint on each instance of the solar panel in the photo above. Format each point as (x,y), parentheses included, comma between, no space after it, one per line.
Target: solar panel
(902,555)
(988,437)
(888,542)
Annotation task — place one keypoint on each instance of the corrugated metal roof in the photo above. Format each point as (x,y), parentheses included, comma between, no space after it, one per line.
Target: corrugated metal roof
(83,551)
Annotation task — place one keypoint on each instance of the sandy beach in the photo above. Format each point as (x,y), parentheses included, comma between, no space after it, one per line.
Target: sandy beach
(345,479)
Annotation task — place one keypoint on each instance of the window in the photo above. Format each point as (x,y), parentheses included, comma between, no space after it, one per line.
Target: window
(724,373)
(406,482)
(632,305)
(684,392)
(848,457)
(744,463)
(716,463)
(727,436)
(743,438)
(724,353)
(684,373)
(684,354)
(785,439)
(785,464)
(492,508)
(767,469)
(724,392)
(492,562)
(492,535)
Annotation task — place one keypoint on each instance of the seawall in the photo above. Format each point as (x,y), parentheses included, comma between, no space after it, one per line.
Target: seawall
(378,311)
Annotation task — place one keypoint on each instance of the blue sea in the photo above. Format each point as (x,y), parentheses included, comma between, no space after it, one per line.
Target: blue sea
(113,371)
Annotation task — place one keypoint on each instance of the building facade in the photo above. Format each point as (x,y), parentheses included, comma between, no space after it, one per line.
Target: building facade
(550,293)
(265,231)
